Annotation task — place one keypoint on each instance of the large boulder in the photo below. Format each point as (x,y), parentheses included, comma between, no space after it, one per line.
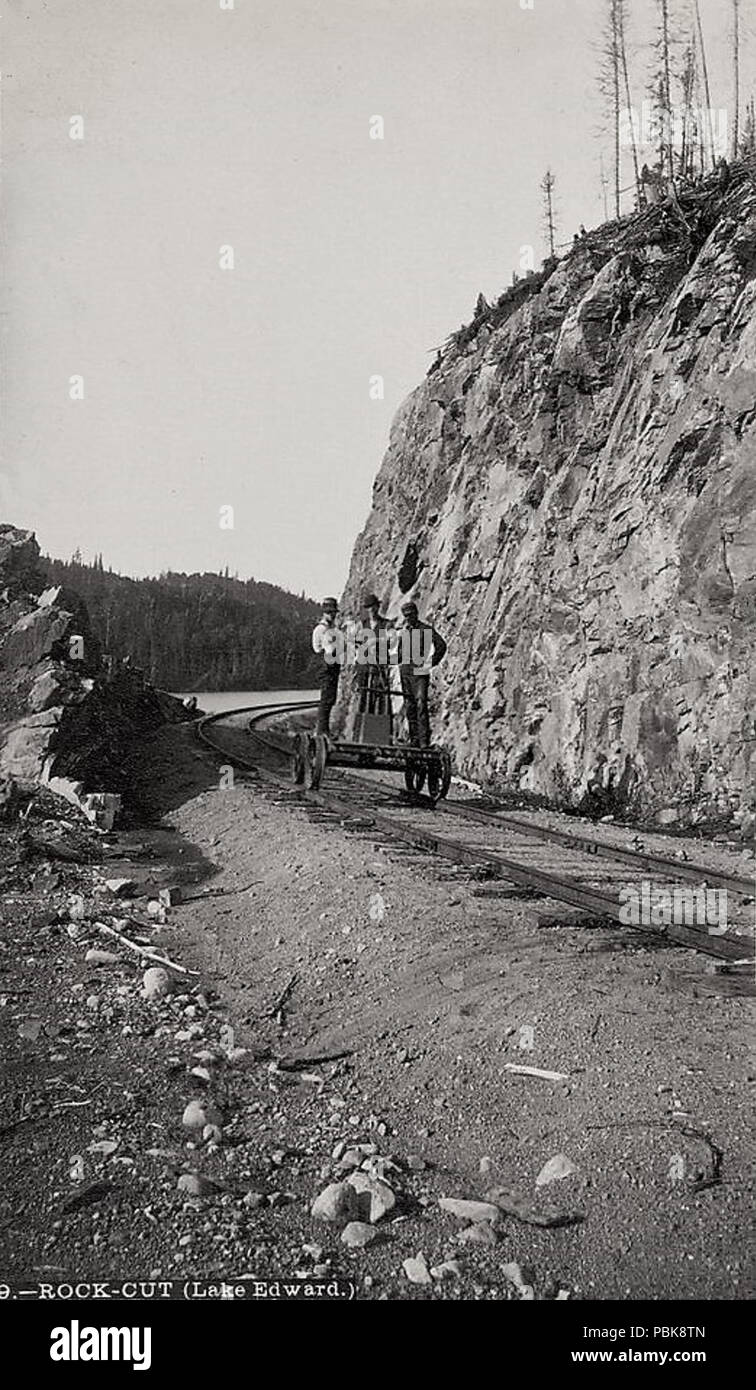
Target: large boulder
(19,558)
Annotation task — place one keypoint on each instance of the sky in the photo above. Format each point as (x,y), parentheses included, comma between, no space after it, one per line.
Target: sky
(208,259)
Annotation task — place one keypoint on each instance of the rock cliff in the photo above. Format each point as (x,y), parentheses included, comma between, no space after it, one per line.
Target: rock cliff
(571,495)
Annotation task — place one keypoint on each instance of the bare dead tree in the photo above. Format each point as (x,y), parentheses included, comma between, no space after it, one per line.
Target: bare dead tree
(662,87)
(736,77)
(547,188)
(610,83)
(604,190)
(707,88)
(689,132)
(621,9)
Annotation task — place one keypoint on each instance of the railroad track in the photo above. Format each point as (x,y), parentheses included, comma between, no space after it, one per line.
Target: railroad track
(490,844)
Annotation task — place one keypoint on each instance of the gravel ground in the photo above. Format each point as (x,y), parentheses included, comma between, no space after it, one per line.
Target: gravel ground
(350,995)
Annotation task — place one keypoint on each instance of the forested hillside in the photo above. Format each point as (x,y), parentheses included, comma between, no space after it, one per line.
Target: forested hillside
(197,631)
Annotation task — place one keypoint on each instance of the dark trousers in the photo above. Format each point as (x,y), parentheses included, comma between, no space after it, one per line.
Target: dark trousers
(373,689)
(415,692)
(329,689)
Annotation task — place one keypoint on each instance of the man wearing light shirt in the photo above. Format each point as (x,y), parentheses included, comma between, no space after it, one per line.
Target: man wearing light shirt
(326,643)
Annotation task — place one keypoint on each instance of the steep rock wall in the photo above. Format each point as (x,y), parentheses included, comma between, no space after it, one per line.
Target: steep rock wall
(571,495)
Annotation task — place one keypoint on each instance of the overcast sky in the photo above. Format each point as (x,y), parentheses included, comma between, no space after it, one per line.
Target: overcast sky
(207,127)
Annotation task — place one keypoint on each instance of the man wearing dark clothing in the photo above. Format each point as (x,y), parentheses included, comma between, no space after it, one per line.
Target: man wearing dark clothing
(372,673)
(422,649)
(326,642)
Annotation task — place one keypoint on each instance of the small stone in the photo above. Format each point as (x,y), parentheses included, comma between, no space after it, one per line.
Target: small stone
(96,957)
(560,1166)
(514,1274)
(201,1073)
(482,1234)
(200,1113)
(416,1270)
(450,1269)
(375,1198)
(468,1210)
(348,1161)
(212,1134)
(156,983)
(31,1029)
(93,1001)
(338,1203)
(121,887)
(358,1233)
(255,1200)
(194,1185)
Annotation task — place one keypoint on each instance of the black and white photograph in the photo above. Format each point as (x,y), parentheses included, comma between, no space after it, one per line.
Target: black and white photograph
(377,673)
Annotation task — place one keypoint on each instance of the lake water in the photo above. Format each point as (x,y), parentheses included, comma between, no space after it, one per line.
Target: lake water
(216,701)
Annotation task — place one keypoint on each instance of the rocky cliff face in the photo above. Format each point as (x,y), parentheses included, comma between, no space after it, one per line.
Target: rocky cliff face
(571,495)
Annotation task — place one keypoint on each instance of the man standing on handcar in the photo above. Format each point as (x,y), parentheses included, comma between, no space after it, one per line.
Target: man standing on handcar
(421,648)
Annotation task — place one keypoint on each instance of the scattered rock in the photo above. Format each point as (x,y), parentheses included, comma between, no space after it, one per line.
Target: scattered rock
(482,1234)
(121,887)
(560,1166)
(97,957)
(468,1210)
(156,983)
(514,1274)
(450,1269)
(375,1198)
(338,1204)
(417,1270)
(358,1233)
(31,1029)
(194,1185)
(200,1113)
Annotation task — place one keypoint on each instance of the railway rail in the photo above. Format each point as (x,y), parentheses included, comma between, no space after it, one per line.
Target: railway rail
(522,853)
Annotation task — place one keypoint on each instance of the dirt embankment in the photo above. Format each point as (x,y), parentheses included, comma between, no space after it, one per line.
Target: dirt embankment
(351,996)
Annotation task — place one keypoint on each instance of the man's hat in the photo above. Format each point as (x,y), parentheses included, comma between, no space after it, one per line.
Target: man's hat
(409,607)
(330,605)
(370,601)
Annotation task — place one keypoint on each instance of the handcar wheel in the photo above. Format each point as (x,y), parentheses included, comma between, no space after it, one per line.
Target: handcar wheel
(298,759)
(434,782)
(446,774)
(317,756)
(414,779)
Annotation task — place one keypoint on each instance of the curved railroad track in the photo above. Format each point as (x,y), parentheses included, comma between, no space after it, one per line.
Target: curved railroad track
(491,845)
